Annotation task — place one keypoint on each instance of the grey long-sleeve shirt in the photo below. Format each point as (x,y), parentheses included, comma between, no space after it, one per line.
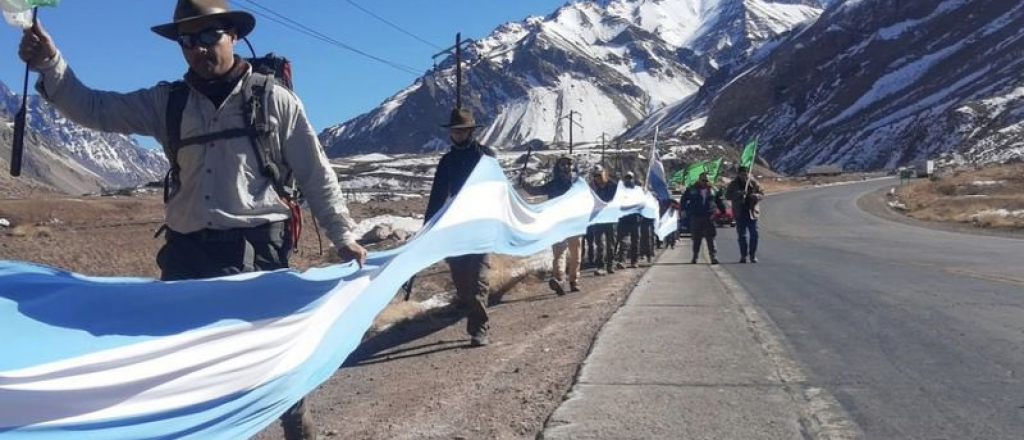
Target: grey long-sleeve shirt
(221,185)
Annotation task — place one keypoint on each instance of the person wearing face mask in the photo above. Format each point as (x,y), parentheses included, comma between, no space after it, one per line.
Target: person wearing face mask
(223,214)
(567,253)
(702,202)
(469,272)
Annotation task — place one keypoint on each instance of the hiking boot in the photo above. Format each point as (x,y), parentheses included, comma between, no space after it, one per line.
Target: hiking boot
(714,260)
(619,265)
(556,286)
(573,287)
(299,428)
(480,339)
(753,259)
(693,261)
(600,272)
(743,260)
(632,265)
(610,270)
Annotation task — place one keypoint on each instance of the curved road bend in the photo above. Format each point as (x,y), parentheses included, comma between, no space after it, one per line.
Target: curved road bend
(918,333)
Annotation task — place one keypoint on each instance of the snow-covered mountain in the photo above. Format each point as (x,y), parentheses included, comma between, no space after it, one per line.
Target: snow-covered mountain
(75,159)
(874,84)
(611,61)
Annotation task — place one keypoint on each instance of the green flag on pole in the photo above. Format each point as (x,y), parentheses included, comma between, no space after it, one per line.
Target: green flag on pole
(749,154)
(713,168)
(18,13)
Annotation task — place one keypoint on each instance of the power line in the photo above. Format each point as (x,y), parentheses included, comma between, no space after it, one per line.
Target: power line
(303,29)
(395,26)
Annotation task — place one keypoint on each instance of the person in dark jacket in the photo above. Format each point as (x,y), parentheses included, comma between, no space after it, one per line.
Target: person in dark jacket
(629,226)
(604,234)
(745,194)
(702,203)
(566,263)
(469,272)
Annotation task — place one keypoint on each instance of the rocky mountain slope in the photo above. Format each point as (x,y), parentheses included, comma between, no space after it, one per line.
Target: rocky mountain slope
(611,61)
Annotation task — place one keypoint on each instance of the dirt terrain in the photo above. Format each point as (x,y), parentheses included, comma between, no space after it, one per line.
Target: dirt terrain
(414,376)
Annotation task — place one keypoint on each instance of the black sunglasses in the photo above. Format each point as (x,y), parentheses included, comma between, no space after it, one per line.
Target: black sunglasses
(206,38)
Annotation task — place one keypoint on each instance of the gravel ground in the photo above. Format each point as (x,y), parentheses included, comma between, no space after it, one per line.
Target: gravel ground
(420,380)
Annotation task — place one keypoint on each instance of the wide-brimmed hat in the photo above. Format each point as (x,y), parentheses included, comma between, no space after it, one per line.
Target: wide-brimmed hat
(194,10)
(461,118)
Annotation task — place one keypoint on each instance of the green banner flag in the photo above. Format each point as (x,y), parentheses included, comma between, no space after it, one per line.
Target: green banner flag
(694,170)
(713,169)
(749,154)
(678,177)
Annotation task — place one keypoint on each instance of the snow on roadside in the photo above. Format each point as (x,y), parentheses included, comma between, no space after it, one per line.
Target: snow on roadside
(408,224)
(1003,213)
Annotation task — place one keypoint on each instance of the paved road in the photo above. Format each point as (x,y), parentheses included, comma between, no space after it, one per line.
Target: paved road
(919,334)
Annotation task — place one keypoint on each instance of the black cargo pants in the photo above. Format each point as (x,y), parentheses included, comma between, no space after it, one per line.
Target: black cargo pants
(212,253)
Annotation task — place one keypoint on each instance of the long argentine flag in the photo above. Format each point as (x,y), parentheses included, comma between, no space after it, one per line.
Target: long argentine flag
(129,358)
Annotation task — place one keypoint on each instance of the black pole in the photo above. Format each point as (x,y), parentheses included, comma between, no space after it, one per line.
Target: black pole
(18,146)
(571,120)
(602,148)
(458,70)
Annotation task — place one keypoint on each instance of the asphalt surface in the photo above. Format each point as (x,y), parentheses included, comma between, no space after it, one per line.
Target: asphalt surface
(918,333)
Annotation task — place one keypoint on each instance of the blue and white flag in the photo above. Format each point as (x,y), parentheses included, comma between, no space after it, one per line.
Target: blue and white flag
(132,358)
(656,178)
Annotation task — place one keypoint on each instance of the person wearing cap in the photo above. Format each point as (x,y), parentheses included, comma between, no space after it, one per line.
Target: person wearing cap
(567,253)
(223,216)
(604,233)
(629,226)
(745,194)
(702,203)
(469,272)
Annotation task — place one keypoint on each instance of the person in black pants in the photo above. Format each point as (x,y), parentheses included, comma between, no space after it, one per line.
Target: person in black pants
(604,234)
(702,203)
(629,226)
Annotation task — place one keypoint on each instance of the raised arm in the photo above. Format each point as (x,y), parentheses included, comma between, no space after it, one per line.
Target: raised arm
(139,112)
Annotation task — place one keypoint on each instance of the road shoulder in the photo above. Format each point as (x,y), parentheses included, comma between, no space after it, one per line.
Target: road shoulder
(689,356)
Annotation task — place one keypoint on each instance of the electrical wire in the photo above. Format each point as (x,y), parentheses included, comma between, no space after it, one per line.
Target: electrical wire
(395,26)
(278,18)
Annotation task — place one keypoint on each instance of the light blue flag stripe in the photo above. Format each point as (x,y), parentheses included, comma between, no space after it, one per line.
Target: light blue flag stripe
(128,358)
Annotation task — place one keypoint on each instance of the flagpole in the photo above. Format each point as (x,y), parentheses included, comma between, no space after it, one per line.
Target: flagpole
(20,119)
(650,161)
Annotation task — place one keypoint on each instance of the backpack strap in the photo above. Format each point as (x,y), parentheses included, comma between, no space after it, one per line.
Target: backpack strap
(176,102)
(256,94)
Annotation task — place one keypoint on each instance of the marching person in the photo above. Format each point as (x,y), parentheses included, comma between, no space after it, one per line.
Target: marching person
(469,272)
(566,263)
(224,215)
(745,194)
(629,226)
(702,204)
(604,233)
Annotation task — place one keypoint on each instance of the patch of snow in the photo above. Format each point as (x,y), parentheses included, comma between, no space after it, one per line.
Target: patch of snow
(372,157)
(987,182)
(408,224)
(1003,213)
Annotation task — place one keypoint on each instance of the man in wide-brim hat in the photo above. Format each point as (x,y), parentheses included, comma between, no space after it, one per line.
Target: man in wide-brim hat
(221,216)
(469,272)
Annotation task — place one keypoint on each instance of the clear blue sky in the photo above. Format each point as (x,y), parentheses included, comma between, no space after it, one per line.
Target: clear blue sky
(109,45)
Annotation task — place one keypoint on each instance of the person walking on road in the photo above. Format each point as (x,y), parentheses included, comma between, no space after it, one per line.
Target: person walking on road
(702,204)
(745,194)
(227,212)
(604,233)
(469,272)
(566,262)
(629,226)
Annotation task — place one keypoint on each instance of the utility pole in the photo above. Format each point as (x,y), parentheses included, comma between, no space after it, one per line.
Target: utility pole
(603,144)
(456,50)
(572,122)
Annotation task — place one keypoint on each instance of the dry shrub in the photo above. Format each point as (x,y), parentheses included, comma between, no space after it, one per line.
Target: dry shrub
(31,231)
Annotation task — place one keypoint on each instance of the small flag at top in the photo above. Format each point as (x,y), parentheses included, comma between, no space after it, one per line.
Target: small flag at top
(18,13)
(749,154)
